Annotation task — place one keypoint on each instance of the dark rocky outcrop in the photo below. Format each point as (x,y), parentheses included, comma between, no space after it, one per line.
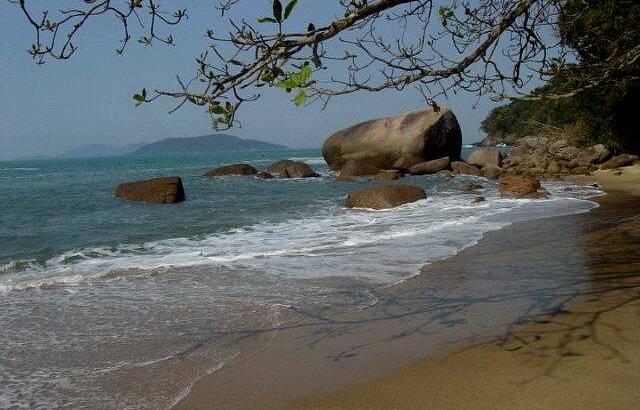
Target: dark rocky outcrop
(387,175)
(287,168)
(385,196)
(234,169)
(164,190)
(460,167)
(521,186)
(483,157)
(358,168)
(551,156)
(398,142)
(618,161)
(431,167)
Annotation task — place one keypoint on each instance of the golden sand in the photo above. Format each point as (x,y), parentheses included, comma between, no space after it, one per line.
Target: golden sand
(587,358)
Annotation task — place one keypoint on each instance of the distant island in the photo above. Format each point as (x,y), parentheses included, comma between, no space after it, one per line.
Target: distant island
(100,150)
(205,143)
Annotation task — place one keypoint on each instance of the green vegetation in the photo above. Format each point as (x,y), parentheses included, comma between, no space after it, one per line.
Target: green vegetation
(603,34)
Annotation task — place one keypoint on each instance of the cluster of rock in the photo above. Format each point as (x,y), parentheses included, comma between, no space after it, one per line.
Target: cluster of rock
(550,157)
(285,168)
(168,190)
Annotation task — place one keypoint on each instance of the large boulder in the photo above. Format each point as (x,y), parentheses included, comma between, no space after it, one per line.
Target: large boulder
(460,167)
(483,157)
(358,168)
(234,169)
(165,190)
(287,168)
(618,161)
(398,142)
(431,167)
(521,186)
(385,196)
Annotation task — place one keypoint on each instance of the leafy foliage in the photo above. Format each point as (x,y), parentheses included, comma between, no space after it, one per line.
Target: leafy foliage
(599,31)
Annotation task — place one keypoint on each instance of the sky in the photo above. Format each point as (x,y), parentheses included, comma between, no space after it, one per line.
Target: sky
(47,110)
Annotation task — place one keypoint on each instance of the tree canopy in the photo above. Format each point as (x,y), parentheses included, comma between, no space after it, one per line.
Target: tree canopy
(485,47)
(601,31)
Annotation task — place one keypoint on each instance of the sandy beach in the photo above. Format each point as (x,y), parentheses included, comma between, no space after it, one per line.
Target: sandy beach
(584,357)
(564,335)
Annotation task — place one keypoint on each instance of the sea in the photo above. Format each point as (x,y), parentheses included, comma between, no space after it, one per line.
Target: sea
(106,303)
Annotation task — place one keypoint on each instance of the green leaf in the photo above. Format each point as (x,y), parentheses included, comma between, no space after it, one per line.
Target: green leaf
(305,73)
(288,83)
(139,98)
(289,8)
(267,20)
(277,10)
(216,109)
(300,98)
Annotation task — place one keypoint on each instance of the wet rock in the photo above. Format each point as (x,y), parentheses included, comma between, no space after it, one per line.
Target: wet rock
(287,168)
(164,190)
(264,175)
(521,186)
(387,175)
(479,199)
(460,167)
(234,169)
(385,196)
(431,167)
(445,173)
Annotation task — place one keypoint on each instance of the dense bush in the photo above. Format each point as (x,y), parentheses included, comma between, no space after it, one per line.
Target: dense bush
(600,32)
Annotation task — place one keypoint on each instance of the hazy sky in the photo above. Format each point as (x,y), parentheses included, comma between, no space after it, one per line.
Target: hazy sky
(50,109)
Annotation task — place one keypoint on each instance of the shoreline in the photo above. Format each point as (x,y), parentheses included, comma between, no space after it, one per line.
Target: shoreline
(333,360)
(583,355)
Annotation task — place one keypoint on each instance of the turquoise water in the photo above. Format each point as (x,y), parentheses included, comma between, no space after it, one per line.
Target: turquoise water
(108,303)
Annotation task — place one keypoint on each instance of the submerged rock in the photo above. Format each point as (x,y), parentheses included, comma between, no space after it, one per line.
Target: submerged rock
(163,190)
(398,142)
(386,196)
(287,168)
(234,169)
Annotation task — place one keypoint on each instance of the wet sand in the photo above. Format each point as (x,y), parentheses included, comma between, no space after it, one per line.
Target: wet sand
(561,330)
